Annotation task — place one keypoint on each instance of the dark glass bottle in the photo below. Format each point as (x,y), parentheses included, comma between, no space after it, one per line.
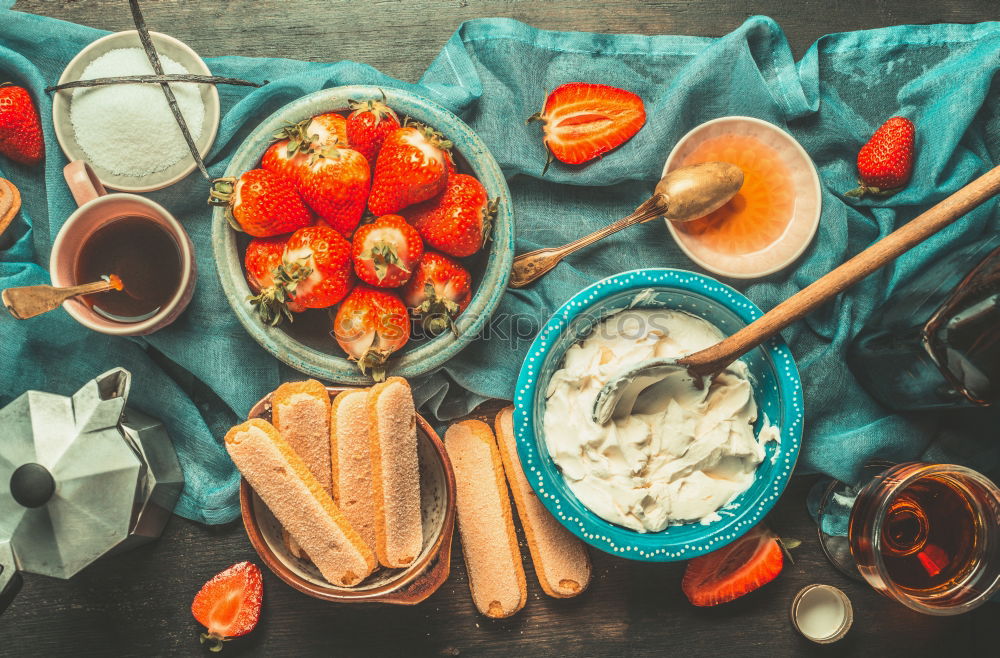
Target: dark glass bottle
(936,342)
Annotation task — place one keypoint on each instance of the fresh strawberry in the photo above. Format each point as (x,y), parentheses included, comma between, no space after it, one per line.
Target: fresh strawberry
(20,129)
(458,221)
(317,259)
(751,561)
(886,161)
(370,325)
(335,186)
(449,163)
(261,260)
(583,120)
(315,272)
(410,169)
(262,257)
(438,292)
(329,128)
(368,126)
(282,158)
(317,133)
(228,605)
(386,251)
(261,203)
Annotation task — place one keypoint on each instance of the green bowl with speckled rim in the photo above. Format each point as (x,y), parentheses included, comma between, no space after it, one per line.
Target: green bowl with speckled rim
(307,344)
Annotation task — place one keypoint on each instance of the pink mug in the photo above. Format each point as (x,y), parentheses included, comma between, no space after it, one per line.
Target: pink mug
(96,209)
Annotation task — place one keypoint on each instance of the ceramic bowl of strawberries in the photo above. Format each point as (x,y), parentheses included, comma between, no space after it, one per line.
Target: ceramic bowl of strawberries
(361,231)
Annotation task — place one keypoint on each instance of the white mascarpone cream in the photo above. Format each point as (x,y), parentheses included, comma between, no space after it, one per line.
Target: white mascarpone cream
(676,460)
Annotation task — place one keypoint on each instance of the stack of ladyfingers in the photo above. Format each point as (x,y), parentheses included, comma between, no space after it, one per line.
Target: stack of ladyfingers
(341,477)
(484,465)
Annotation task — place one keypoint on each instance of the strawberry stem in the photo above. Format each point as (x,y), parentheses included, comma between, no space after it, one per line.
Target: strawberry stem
(375,360)
(214,640)
(272,303)
(548,161)
(432,136)
(787,544)
(383,254)
(437,313)
(870,190)
(221,192)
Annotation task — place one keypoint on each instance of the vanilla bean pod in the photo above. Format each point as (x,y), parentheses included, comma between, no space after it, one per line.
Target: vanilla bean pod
(155,79)
(154,60)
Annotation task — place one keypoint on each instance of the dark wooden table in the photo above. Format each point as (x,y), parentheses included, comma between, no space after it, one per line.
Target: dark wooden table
(138,603)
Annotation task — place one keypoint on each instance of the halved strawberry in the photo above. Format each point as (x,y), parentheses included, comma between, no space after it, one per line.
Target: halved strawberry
(370,325)
(386,251)
(739,568)
(582,120)
(228,605)
(438,292)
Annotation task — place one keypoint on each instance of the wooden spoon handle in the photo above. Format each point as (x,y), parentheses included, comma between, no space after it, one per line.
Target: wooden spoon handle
(29,301)
(531,266)
(715,358)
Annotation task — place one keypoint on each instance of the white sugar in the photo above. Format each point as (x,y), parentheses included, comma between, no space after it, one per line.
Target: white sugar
(129,129)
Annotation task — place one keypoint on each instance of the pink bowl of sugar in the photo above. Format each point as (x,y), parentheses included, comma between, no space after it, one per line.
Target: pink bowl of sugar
(126,132)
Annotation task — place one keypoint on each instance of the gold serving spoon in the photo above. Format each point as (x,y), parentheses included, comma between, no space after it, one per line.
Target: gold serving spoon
(29,301)
(681,196)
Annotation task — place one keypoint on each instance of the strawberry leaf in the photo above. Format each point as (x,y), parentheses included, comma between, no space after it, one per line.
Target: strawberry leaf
(787,544)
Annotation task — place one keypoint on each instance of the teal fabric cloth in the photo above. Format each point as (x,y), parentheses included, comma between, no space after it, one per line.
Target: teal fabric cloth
(203,373)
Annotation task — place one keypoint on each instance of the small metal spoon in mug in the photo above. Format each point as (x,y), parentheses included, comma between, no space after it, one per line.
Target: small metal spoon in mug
(637,386)
(29,301)
(681,196)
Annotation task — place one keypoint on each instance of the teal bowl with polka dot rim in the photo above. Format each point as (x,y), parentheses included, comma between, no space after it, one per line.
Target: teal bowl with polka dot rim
(775,382)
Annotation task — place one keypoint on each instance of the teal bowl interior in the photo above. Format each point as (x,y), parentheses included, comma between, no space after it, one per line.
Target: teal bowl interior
(774,378)
(307,344)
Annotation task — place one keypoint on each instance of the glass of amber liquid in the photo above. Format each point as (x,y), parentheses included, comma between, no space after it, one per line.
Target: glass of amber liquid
(926,535)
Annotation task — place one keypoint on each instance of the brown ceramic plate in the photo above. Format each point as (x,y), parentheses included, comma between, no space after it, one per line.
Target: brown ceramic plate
(402,586)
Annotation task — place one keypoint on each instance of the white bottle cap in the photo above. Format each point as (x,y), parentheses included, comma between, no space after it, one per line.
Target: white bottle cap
(822,613)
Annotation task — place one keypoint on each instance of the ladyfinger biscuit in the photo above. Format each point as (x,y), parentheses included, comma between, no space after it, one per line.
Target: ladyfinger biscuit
(561,561)
(288,488)
(485,522)
(395,473)
(301,413)
(351,461)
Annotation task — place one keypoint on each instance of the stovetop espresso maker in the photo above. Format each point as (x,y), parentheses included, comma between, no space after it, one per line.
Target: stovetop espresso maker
(80,477)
